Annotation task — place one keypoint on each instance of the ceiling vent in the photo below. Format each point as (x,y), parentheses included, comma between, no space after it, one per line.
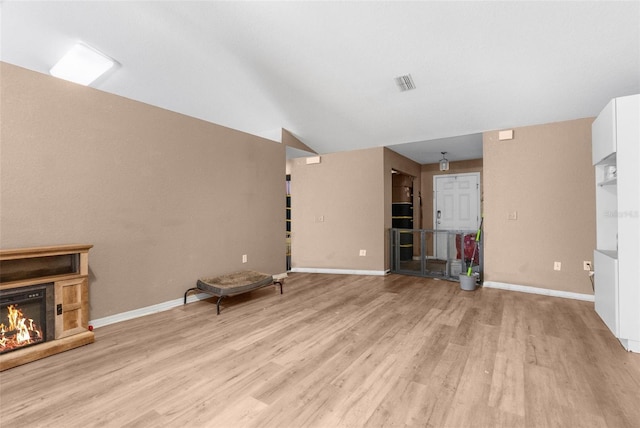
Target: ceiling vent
(405,83)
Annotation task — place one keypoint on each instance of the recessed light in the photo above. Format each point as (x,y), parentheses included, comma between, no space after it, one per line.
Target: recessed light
(82,64)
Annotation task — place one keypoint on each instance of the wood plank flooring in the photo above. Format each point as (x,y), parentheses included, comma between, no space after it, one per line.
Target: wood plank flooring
(340,351)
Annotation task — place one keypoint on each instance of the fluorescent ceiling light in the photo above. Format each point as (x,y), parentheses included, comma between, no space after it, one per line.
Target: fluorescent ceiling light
(82,64)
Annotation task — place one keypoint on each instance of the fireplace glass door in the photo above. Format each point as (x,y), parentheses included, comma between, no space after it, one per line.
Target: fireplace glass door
(26,316)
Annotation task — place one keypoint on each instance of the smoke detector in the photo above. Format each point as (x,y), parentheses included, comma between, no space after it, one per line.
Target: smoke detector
(405,83)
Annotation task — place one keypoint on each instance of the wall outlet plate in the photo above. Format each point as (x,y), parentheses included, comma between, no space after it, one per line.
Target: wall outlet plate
(363,253)
(586,265)
(557,265)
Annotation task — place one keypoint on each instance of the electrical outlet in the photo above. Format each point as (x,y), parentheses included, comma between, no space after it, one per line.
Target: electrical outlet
(244,258)
(586,265)
(363,253)
(557,266)
(512,215)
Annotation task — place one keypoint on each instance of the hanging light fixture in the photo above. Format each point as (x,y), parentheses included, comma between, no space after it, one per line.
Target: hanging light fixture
(444,163)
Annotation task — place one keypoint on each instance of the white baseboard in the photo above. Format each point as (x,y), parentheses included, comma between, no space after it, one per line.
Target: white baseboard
(341,271)
(630,345)
(537,290)
(148,310)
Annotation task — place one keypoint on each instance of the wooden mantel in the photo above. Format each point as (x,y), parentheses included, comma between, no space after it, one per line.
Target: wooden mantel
(71,296)
(21,253)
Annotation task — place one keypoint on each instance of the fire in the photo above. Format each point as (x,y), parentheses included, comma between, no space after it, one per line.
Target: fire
(20,332)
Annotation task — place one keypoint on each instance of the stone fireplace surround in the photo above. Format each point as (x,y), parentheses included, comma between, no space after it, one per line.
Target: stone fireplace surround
(67,268)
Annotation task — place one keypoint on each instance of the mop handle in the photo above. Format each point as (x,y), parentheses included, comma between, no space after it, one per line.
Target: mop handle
(475,247)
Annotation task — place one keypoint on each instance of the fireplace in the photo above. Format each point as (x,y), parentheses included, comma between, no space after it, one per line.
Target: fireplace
(26,316)
(44,302)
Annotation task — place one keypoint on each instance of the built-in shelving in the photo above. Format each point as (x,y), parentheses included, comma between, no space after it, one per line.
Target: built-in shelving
(610,182)
(616,137)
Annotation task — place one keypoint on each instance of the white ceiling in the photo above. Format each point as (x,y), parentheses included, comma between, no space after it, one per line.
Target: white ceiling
(325,70)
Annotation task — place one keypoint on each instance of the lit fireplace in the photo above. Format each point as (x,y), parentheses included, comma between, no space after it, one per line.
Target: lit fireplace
(26,316)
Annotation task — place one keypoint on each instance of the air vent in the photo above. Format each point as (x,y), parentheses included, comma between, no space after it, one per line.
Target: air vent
(405,83)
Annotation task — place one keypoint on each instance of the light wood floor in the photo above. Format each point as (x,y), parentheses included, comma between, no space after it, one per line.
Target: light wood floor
(338,350)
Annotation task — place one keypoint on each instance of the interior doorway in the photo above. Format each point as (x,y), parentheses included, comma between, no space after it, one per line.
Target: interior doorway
(402,212)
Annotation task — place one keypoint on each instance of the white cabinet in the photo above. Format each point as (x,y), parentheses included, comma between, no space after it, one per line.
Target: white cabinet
(616,157)
(606,278)
(603,133)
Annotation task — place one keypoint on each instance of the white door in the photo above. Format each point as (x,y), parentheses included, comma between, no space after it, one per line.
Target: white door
(456,206)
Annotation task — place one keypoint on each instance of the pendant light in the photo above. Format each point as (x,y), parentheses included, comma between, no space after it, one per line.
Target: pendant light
(444,163)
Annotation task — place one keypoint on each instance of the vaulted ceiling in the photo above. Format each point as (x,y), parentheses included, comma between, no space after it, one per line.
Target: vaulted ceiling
(326,70)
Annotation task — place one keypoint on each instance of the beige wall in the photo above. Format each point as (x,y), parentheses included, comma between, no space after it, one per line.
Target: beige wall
(164,198)
(351,191)
(544,174)
(288,139)
(337,210)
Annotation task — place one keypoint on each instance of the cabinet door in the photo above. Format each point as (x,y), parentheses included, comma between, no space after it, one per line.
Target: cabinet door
(606,289)
(72,306)
(628,210)
(603,133)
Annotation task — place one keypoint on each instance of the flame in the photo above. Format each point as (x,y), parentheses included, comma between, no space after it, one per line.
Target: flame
(20,332)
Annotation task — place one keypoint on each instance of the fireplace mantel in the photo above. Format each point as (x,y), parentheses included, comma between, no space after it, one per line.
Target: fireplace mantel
(67,267)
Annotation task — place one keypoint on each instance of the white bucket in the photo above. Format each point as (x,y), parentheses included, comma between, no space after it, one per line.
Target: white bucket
(468,283)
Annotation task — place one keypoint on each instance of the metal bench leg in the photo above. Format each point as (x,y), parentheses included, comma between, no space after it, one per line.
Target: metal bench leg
(280,284)
(218,305)
(187,292)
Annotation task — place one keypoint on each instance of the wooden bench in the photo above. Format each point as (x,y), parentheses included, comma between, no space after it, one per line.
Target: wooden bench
(234,284)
